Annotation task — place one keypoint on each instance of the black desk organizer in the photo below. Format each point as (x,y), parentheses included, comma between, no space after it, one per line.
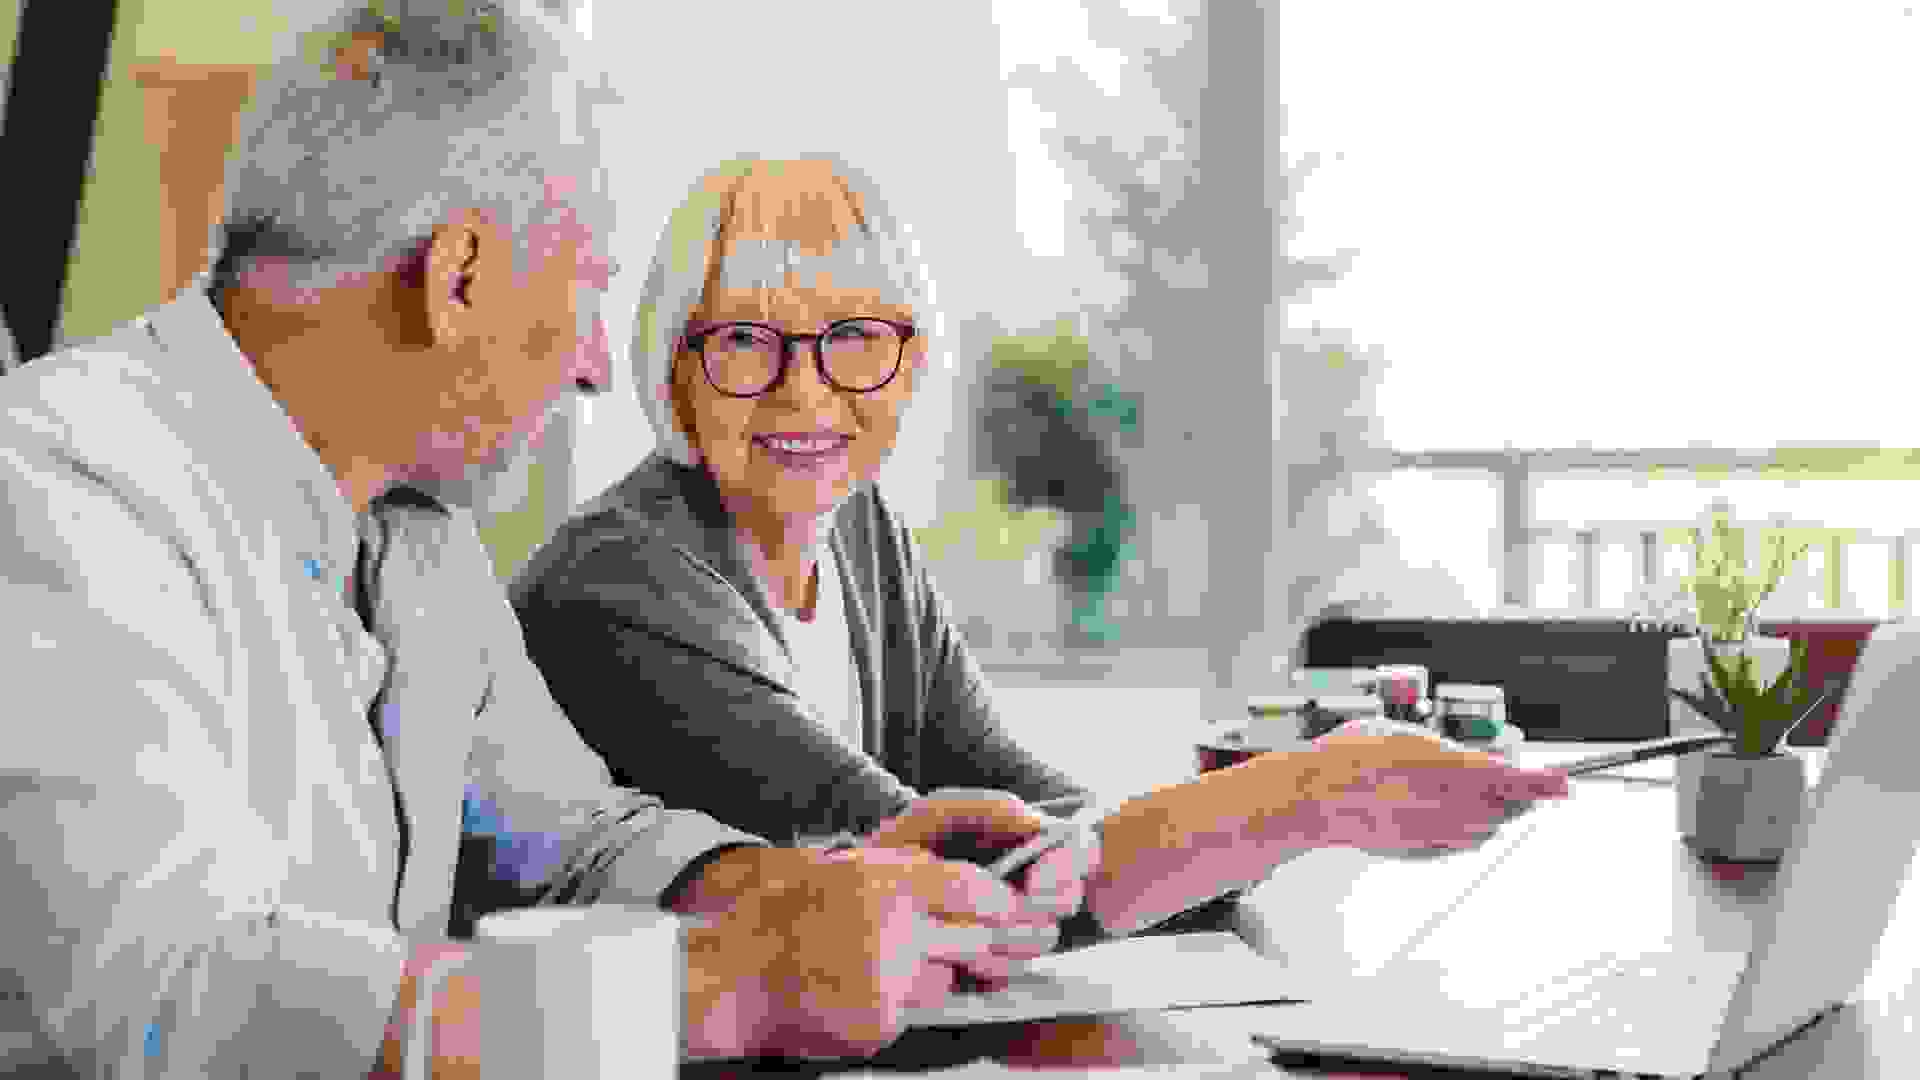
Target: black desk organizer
(1566,680)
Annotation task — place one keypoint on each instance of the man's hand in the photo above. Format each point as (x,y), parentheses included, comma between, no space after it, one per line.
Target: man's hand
(818,954)
(992,821)
(455,1025)
(1402,788)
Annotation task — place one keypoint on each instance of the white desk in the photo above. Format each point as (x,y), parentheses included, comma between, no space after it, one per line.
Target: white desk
(1334,905)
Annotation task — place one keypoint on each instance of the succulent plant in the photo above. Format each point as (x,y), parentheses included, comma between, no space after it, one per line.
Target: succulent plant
(1757,717)
(1720,598)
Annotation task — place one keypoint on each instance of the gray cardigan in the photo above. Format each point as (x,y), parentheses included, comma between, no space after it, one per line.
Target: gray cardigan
(662,647)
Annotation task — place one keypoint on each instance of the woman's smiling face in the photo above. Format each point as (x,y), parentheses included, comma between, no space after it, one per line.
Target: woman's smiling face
(795,258)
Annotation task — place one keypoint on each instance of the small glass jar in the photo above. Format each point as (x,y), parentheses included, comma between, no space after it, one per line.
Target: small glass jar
(1470,714)
(1280,720)
(1332,711)
(1403,691)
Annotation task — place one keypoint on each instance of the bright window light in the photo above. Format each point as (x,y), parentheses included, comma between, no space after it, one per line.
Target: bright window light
(1637,223)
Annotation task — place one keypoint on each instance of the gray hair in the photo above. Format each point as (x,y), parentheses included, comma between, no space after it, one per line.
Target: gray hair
(478,108)
(690,257)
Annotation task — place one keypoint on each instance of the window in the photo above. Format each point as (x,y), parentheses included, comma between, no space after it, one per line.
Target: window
(1626,226)
(1633,224)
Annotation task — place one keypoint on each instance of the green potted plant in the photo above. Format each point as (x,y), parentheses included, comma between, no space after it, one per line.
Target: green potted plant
(1725,596)
(1744,801)
(1717,604)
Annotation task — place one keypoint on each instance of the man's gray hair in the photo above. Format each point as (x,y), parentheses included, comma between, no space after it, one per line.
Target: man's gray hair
(689,259)
(480,108)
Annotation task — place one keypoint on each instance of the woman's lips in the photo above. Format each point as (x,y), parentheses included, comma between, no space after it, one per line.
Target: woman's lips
(807,453)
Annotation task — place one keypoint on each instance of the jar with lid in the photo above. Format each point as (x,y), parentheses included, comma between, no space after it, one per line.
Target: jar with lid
(1469,713)
(1403,691)
(1278,721)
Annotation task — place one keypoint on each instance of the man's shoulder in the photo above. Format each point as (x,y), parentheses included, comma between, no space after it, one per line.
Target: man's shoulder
(99,408)
(84,379)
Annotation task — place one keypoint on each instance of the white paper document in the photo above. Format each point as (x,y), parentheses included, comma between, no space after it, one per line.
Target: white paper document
(1171,972)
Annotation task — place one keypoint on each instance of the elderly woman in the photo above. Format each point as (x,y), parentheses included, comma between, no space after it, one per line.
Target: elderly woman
(744,626)
(744,619)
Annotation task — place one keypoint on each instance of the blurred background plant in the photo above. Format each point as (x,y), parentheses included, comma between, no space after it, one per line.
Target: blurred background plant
(1050,430)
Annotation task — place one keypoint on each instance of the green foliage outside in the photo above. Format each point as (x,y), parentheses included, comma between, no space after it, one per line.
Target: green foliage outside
(9,28)
(1049,427)
(995,530)
(1819,463)
(1058,359)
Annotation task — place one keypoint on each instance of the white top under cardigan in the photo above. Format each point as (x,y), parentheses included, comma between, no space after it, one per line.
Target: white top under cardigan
(822,651)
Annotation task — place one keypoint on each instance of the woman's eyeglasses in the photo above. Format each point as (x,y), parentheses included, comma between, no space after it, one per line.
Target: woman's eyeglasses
(747,359)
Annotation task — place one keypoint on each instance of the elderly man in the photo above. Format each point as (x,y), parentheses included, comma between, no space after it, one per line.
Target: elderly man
(250,744)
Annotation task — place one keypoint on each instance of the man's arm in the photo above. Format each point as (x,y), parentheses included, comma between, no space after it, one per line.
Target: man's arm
(538,796)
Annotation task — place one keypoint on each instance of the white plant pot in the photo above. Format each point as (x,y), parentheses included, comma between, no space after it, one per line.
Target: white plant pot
(1742,808)
(1687,661)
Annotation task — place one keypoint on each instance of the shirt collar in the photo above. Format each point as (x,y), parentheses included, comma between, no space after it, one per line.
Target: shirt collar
(258,448)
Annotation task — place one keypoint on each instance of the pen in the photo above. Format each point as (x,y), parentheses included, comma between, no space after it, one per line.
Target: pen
(1049,839)
(1065,804)
(1684,744)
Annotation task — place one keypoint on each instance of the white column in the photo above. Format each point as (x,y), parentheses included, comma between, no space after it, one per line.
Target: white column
(1228,360)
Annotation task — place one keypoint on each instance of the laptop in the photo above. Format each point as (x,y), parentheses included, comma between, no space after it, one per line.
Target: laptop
(1630,956)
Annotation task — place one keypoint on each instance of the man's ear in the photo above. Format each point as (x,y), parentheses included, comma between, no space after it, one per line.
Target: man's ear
(466,255)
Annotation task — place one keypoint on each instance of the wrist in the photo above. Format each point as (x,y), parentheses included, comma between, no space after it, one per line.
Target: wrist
(720,882)
(450,1007)
(725,1003)
(1179,846)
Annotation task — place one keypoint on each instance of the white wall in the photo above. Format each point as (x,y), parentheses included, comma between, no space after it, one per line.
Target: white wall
(910,92)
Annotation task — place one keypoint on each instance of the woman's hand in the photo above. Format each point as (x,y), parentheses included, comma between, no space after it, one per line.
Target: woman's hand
(1401,788)
(994,821)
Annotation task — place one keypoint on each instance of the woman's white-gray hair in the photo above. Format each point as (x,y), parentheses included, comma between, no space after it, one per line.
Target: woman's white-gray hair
(473,109)
(685,262)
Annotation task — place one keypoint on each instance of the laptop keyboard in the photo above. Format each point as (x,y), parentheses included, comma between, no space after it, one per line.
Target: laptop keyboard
(1638,978)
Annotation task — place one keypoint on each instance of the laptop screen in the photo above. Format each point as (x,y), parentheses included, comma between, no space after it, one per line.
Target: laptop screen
(1856,846)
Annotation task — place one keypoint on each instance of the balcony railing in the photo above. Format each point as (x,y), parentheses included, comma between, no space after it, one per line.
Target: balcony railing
(1523,539)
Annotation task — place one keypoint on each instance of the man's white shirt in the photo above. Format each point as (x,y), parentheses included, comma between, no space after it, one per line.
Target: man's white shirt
(203,872)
